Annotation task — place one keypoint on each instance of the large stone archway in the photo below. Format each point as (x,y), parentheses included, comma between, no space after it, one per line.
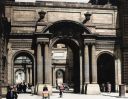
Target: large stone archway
(81,41)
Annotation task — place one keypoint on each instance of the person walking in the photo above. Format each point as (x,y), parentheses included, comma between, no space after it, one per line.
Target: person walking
(45,92)
(32,90)
(24,86)
(11,94)
(103,87)
(61,89)
(108,87)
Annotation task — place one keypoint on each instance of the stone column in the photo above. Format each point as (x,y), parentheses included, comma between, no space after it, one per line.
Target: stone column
(39,64)
(81,72)
(94,65)
(93,87)
(27,75)
(53,75)
(47,64)
(31,75)
(86,64)
(10,65)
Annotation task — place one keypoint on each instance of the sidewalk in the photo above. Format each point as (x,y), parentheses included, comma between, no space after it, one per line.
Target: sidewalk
(70,95)
(74,96)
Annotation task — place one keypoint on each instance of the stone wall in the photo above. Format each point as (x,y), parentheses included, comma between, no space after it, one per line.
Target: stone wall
(23,18)
(123,14)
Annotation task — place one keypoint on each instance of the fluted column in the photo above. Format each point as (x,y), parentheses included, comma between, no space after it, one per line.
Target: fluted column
(94,65)
(31,75)
(86,64)
(54,78)
(39,64)
(27,75)
(47,63)
(81,72)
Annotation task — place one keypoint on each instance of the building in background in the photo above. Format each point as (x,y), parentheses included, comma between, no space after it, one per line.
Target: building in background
(59,41)
(123,34)
(4,30)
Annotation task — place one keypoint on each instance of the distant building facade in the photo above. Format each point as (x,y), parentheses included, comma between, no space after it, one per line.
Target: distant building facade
(123,21)
(64,42)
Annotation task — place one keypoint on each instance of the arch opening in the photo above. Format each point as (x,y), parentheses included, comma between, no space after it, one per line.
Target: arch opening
(23,67)
(65,56)
(66,28)
(106,71)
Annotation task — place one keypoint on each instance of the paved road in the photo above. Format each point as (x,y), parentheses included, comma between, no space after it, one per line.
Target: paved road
(74,96)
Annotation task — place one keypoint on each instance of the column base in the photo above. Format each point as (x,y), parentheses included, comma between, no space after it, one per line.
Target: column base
(92,89)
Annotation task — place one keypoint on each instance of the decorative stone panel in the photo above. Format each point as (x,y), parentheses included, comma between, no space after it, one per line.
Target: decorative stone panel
(56,16)
(102,18)
(21,43)
(24,15)
(105,44)
(22,30)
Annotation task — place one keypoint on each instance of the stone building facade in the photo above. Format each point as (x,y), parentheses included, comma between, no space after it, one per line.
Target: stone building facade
(123,21)
(3,43)
(88,37)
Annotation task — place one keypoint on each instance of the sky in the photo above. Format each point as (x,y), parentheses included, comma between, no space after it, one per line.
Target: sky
(85,1)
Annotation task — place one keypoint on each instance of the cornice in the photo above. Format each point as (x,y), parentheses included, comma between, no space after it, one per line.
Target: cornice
(61,5)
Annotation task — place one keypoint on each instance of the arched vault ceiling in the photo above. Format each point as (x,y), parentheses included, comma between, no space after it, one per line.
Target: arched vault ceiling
(66,28)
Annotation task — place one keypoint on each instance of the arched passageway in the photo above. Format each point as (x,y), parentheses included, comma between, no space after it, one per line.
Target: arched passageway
(106,70)
(74,36)
(23,68)
(69,33)
(71,67)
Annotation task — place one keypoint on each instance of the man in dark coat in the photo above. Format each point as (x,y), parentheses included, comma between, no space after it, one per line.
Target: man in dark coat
(11,94)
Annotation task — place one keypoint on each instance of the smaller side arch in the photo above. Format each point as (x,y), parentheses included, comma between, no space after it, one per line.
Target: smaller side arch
(106,70)
(22,51)
(31,56)
(105,52)
(60,76)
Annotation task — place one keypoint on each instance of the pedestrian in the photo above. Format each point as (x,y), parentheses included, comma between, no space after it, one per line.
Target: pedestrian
(103,87)
(11,94)
(45,92)
(108,87)
(20,87)
(32,90)
(61,89)
(15,93)
(45,88)
(24,86)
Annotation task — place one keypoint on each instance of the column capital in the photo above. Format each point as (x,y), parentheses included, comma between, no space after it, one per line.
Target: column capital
(42,40)
(89,41)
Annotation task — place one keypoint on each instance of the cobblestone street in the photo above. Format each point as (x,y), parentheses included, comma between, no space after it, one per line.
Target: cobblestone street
(74,96)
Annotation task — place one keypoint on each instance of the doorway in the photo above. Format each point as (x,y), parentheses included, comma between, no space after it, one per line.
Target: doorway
(106,70)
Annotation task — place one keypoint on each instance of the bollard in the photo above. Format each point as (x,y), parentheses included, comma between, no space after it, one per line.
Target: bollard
(122,90)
